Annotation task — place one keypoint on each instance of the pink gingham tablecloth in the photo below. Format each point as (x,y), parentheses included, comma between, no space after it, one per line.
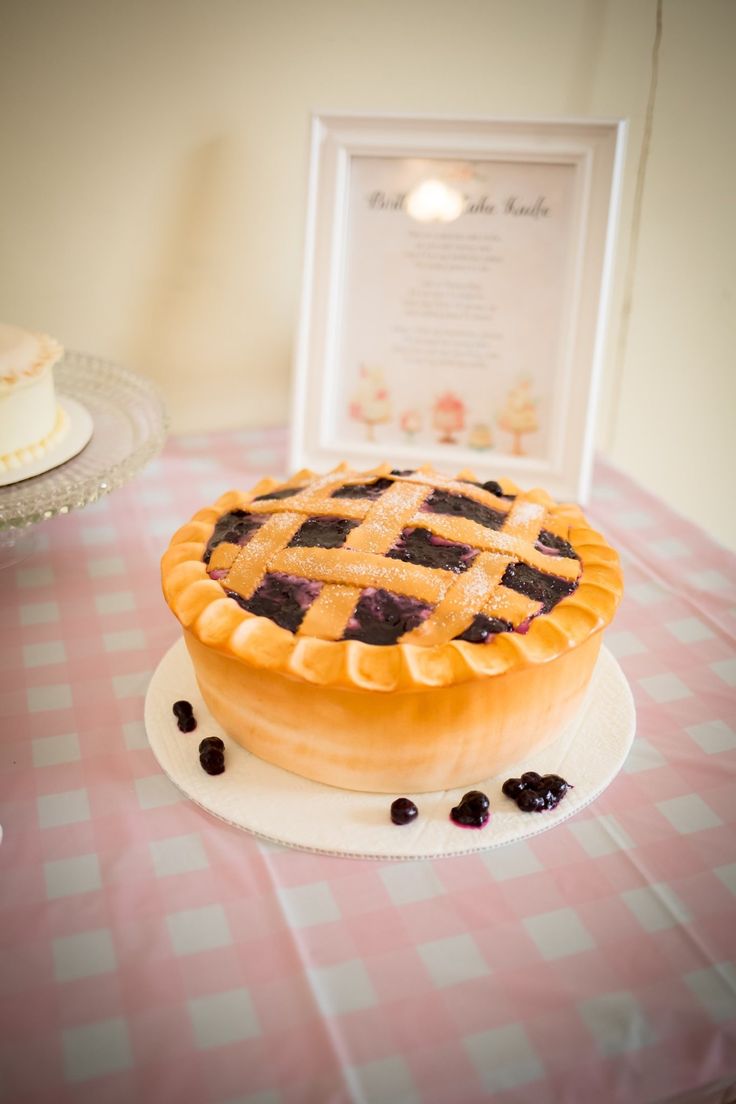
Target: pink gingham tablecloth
(152,953)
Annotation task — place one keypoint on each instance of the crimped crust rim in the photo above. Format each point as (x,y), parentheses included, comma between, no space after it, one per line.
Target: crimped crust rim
(204,610)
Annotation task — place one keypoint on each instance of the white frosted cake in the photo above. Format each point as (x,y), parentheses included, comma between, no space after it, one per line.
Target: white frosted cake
(31,420)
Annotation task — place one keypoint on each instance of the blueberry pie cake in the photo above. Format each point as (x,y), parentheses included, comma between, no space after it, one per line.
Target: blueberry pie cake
(389,630)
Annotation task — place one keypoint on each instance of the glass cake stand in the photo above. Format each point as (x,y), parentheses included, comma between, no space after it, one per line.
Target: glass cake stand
(130,426)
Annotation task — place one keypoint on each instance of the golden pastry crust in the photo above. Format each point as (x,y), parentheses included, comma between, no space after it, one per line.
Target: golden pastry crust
(426,657)
(410,742)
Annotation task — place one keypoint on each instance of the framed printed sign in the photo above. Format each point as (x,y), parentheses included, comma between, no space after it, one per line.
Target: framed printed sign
(454,299)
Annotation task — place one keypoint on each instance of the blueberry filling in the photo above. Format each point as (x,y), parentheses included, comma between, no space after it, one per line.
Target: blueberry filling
(443,502)
(473,810)
(492,486)
(403,811)
(235,527)
(322,532)
(537,585)
(381,617)
(403,471)
(282,598)
(552,545)
(363,490)
(533,792)
(482,627)
(419,546)
(284,492)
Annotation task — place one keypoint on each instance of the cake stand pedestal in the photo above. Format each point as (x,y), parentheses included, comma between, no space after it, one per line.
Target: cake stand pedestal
(129,430)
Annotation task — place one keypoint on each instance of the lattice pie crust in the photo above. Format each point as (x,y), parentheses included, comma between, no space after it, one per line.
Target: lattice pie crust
(399,675)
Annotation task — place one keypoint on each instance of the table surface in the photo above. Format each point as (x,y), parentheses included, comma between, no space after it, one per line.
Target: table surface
(150,952)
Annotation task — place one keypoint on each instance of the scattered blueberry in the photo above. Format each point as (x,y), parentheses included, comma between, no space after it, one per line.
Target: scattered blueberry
(473,810)
(512,787)
(403,811)
(212,760)
(557,785)
(184,716)
(211,742)
(531,802)
(476,797)
(531,778)
(535,792)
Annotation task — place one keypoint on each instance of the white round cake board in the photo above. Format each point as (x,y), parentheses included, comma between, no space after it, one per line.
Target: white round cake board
(284,808)
(69,444)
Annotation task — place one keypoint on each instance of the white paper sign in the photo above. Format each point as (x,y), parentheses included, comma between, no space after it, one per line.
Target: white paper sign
(449,315)
(432,351)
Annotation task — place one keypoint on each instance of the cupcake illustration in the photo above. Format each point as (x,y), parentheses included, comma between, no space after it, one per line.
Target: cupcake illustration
(519,416)
(448,417)
(410,423)
(480,437)
(370,403)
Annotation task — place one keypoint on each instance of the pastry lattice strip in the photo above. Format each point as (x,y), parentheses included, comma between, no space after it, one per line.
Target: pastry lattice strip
(362,563)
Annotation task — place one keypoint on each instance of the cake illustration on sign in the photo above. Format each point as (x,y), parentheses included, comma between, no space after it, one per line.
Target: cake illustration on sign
(371,403)
(519,416)
(411,423)
(448,417)
(480,437)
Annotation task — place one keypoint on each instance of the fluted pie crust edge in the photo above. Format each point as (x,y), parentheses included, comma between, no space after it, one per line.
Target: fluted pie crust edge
(218,623)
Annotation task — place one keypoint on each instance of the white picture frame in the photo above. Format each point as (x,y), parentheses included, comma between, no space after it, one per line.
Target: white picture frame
(456,283)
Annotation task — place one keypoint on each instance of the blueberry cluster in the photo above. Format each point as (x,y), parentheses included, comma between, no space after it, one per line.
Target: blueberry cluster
(473,810)
(184,716)
(212,755)
(534,793)
(403,811)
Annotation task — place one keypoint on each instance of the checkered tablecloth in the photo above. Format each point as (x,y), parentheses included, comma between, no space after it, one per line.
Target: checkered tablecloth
(152,953)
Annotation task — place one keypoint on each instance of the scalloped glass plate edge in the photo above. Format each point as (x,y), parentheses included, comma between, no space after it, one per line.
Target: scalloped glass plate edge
(107,389)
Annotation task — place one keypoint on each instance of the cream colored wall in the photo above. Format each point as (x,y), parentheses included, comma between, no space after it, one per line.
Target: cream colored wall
(153,185)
